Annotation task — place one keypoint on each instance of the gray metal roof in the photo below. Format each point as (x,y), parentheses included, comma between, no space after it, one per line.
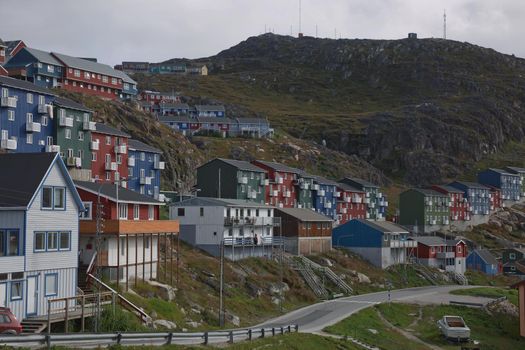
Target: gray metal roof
(324,181)
(470,184)
(11,45)
(214,202)
(109,130)
(449,189)
(125,78)
(109,190)
(486,256)
(43,56)
(2,43)
(24,85)
(304,214)
(515,169)
(252,121)
(216,120)
(428,192)
(141,146)
(383,226)
(240,164)
(209,108)
(175,105)
(67,103)
(501,171)
(430,240)
(281,167)
(361,182)
(175,118)
(346,187)
(90,66)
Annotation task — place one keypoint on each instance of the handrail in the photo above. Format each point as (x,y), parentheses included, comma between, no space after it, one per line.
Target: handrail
(145,318)
(92,263)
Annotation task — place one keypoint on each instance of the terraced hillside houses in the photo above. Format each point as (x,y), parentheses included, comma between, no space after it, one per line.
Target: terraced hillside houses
(424,210)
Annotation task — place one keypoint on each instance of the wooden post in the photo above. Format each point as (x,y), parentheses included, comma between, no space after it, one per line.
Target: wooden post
(136,257)
(171,258)
(127,262)
(49,317)
(151,254)
(82,316)
(114,302)
(144,256)
(165,257)
(118,260)
(66,325)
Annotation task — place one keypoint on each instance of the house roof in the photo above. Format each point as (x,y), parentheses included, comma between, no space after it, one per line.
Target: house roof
(281,167)
(24,85)
(67,103)
(304,214)
(252,121)
(241,165)
(216,120)
(176,118)
(175,105)
(19,186)
(361,182)
(2,43)
(109,130)
(109,191)
(428,192)
(501,171)
(515,169)
(141,146)
(348,188)
(383,226)
(324,181)
(214,202)
(87,65)
(208,108)
(486,256)
(43,56)
(430,240)
(122,75)
(449,189)
(469,184)
(12,44)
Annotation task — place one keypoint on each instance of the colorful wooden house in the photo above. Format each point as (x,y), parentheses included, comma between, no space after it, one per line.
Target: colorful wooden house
(281,190)
(173,108)
(144,167)
(509,259)
(509,183)
(214,125)
(478,197)
(3,51)
(457,201)
(36,66)
(233,179)
(521,172)
(210,111)
(109,154)
(376,202)
(482,260)
(448,255)
(325,196)
(350,203)
(424,210)
(303,189)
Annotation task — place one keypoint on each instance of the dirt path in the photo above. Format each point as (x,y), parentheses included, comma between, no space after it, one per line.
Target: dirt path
(406,334)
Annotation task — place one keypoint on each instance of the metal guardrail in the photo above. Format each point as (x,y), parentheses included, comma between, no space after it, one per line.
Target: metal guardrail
(249,241)
(164,338)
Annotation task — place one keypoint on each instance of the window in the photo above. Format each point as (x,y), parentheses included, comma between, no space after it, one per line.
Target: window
(108,140)
(104,79)
(11,115)
(122,246)
(142,156)
(114,81)
(119,159)
(146,242)
(67,134)
(77,73)
(29,139)
(81,136)
(44,120)
(130,171)
(47,198)
(108,176)
(512,256)
(123,211)
(86,75)
(51,284)
(50,68)
(181,212)
(151,212)
(40,242)
(16,290)
(52,241)
(201,211)
(59,201)
(88,213)
(9,243)
(29,98)
(64,241)
(136,212)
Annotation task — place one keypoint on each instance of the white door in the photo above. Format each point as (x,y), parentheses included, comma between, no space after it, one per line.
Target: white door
(3,294)
(32,295)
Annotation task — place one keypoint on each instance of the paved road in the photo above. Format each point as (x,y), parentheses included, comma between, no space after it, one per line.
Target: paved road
(315,317)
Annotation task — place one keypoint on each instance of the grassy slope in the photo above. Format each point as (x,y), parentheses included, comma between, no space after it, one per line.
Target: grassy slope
(510,294)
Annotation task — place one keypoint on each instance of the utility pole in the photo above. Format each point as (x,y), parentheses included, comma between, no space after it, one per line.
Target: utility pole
(221,302)
(98,243)
(316,30)
(299,17)
(445,24)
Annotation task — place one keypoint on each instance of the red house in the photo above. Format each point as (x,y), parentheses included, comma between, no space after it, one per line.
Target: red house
(3,51)
(157,97)
(13,47)
(350,204)
(281,190)
(458,204)
(495,198)
(132,232)
(448,255)
(89,77)
(109,154)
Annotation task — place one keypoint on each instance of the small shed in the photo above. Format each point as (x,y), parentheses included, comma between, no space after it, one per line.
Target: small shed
(483,260)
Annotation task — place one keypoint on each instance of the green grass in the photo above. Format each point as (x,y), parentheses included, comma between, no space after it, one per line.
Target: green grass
(510,294)
(477,278)
(400,315)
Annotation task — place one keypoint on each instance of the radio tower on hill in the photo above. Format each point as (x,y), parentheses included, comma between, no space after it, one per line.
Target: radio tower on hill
(445,24)
(300,34)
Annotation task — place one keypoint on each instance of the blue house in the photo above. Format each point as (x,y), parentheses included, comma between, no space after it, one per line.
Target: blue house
(382,243)
(478,196)
(36,66)
(169,108)
(375,200)
(210,111)
(129,86)
(253,127)
(26,121)
(144,168)
(483,260)
(509,183)
(325,196)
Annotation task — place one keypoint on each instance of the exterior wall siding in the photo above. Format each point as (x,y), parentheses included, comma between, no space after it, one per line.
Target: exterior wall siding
(98,170)
(146,163)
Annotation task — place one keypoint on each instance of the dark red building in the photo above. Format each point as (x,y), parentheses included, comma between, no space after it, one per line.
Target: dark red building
(350,204)
(458,204)
(496,201)
(281,190)
(448,255)
(109,154)
(158,97)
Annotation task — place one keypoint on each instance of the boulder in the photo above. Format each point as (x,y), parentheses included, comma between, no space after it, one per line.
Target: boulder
(233,319)
(508,228)
(254,290)
(164,291)
(193,324)
(164,324)
(278,288)
(362,278)
(327,262)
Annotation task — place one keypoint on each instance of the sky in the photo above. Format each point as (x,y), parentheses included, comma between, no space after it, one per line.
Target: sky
(157,30)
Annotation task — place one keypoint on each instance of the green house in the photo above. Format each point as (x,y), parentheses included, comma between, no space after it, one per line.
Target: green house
(235,179)
(303,188)
(72,135)
(424,209)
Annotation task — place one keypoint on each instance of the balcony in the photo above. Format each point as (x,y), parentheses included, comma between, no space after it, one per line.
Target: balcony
(250,241)
(315,187)
(304,186)
(111,166)
(243,180)
(264,182)
(8,102)
(357,199)
(33,127)
(445,255)
(328,205)
(95,145)
(158,165)
(321,193)
(446,222)
(252,194)
(337,194)
(403,244)
(74,162)
(279,180)
(9,144)
(287,194)
(44,108)
(274,193)
(145,180)
(131,161)
(89,126)
(347,199)
(130,226)
(344,210)
(372,205)
(253,221)
(367,215)
(53,149)
(366,200)
(120,149)
(379,195)
(65,121)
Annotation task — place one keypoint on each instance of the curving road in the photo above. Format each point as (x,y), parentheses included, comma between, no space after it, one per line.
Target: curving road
(315,318)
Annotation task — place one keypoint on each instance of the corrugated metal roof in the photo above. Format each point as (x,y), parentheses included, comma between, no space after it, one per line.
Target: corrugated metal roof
(346,187)
(241,165)
(67,103)
(209,108)
(252,121)
(24,85)
(43,56)
(361,182)
(470,184)
(449,189)
(90,66)
(281,167)
(216,120)
(125,78)
(109,190)
(515,169)
(501,171)
(430,240)
(486,255)
(383,226)
(141,146)
(324,181)
(109,130)
(175,118)
(304,214)
(2,43)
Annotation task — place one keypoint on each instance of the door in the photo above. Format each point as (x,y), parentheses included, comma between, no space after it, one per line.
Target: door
(32,295)
(3,294)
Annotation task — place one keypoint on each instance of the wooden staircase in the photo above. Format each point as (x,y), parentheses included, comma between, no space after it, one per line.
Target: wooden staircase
(32,327)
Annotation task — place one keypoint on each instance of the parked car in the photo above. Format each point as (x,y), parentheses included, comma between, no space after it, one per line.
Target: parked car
(8,322)
(454,328)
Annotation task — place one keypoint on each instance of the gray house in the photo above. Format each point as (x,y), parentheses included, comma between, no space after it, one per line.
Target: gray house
(244,228)
(235,179)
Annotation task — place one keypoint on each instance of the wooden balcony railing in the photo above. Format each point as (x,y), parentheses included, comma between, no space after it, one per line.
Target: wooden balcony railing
(131,226)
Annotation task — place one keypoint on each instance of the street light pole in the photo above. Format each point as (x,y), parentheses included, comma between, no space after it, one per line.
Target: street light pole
(221,302)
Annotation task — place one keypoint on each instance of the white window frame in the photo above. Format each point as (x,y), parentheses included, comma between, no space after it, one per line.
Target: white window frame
(151,212)
(136,211)
(122,211)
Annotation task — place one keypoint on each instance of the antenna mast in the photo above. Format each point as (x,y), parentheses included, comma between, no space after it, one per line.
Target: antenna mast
(445,24)
(300,34)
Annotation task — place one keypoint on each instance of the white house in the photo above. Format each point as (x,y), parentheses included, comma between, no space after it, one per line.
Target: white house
(39,210)
(245,228)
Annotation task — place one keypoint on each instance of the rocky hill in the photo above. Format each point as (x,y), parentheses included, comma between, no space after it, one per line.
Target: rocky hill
(422,111)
